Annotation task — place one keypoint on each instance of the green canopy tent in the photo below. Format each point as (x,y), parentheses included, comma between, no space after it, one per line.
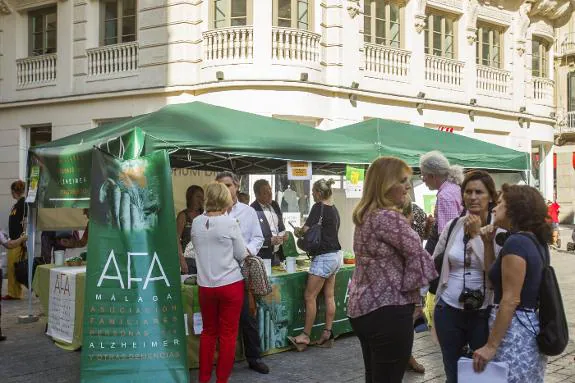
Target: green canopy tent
(409,142)
(198,136)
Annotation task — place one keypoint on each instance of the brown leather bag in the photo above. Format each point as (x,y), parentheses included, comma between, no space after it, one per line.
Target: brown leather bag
(254,273)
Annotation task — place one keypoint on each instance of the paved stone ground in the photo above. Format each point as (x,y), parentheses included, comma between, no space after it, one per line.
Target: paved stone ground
(28,356)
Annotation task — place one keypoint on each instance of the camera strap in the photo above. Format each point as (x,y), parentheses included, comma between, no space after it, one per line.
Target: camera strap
(465,242)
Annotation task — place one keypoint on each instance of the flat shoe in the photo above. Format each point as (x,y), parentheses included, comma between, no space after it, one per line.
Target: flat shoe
(299,346)
(416,367)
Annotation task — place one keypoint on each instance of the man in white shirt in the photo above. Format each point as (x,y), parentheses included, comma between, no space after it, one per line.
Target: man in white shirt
(251,232)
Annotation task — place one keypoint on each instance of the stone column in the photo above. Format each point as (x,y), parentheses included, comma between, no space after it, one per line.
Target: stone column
(262,22)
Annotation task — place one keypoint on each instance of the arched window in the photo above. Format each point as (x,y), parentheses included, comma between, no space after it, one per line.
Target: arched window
(293,14)
(230,13)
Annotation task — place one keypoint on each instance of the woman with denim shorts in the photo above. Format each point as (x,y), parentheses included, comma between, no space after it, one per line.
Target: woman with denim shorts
(324,265)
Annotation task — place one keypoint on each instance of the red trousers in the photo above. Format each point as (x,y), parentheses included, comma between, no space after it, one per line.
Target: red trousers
(221,307)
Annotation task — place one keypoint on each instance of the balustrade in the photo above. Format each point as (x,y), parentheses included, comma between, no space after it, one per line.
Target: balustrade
(36,70)
(113,59)
(387,62)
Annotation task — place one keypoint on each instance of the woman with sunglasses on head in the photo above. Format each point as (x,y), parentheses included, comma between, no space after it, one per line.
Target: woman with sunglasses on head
(463,296)
(516,277)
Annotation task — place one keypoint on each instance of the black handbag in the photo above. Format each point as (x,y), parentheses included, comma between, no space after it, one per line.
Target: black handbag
(311,240)
(21,267)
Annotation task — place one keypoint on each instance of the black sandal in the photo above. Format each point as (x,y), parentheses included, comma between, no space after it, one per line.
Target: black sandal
(299,346)
(326,343)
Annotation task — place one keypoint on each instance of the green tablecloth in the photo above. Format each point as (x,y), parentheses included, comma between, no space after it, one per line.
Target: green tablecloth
(280,314)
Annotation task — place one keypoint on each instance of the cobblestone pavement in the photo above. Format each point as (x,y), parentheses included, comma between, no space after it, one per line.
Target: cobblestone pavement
(28,356)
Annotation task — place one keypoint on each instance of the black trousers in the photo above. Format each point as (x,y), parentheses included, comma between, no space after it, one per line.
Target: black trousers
(250,333)
(386,337)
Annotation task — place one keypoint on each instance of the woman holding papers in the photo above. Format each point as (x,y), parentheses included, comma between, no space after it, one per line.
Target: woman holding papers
(516,277)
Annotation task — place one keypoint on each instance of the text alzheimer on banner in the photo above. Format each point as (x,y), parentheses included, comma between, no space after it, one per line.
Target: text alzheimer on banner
(62,304)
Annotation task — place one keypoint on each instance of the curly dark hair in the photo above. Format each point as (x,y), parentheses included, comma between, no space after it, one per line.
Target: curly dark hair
(486,180)
(527,211)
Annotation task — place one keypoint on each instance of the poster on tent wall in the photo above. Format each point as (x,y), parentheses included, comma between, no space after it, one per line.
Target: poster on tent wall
(133,318)
(62,303)
(354,181)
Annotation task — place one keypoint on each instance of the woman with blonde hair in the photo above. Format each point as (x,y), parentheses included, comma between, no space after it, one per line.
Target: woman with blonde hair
(391,267)
(220,249)
(324,265)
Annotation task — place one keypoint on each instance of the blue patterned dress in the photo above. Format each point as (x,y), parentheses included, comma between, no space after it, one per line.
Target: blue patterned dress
(519,348)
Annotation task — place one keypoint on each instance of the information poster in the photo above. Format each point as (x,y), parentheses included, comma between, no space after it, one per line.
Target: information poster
(33,185)
(354,181)
(62,303)
(299,170)
(133,318)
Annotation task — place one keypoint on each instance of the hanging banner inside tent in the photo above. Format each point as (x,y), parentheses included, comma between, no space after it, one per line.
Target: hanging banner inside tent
(133,318)
(65,176)
(354,181)
(299,170)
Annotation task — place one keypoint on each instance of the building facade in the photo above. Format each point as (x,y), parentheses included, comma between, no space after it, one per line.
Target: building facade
(483,69)
(564,162)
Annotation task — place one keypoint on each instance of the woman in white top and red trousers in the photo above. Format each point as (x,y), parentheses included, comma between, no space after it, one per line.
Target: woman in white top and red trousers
(219,250)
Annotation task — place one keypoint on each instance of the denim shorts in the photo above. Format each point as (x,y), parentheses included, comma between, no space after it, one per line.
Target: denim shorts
(325,265)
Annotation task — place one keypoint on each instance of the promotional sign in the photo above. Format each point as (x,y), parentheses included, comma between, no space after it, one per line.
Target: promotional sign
(282,313)
(133,318)
(354,181)
(33,185)
(429,201)
(65,172)
(62,303)
(299,170)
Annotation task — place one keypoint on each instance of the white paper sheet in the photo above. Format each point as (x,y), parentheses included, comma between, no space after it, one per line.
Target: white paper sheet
(198,324)
(495,372)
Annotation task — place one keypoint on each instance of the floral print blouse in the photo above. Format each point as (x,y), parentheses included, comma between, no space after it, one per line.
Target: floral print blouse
(391,264)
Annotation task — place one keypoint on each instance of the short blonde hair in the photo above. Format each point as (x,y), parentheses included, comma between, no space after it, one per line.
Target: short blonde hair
(323,187)
(383,174)
(217,196)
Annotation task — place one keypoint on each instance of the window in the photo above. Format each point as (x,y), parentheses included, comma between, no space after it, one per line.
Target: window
(489,43)
(540,57)
(440,35)
(119,21)
(571,92)
(39,135)
(382,22)
(230,13)
(43,31)
(292,14)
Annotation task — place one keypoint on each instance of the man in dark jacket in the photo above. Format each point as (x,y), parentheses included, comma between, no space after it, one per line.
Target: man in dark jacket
(271,222)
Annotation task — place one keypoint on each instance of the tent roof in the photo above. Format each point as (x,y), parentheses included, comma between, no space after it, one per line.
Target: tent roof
(409,142)
(209,137)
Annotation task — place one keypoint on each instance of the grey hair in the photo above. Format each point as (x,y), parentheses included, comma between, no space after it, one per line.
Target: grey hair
(437,164)
(259,184)
(323,186)
(225,174)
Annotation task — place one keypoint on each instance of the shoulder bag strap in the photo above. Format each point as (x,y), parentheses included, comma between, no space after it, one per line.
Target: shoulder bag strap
(546,262)
(320,220)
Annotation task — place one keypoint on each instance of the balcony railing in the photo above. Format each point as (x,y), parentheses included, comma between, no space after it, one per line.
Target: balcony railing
(443,71)
(387,62)
(493,81)
(113,59)
(229,45)
(36,71)
(543,90)
(569,124)
(566,45)
(295,46)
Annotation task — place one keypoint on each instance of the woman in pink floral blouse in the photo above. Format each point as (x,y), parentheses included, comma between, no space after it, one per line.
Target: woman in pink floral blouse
(391,266)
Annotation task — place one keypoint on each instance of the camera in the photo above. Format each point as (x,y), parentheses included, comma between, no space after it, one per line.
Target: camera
(472,299)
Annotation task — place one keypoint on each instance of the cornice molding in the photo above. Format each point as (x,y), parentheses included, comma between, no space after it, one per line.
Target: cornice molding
(551,9)
(4,8)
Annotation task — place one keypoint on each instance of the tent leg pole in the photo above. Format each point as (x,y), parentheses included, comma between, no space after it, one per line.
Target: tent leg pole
(31,231)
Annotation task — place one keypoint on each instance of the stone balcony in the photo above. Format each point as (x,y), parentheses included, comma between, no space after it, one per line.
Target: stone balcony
(36,71)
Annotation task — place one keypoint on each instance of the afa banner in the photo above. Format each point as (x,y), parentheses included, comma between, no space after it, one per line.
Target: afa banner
(133,316)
